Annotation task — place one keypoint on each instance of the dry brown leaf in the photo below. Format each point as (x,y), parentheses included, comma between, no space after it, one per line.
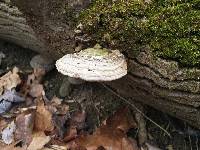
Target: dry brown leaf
(56,106)
(71,134)
(24,127)
(10,147)
(10,80)
(76,123)
(32,85)
(3,124)
(130,144)
(56,147)
(36,90)
(31,79)
(39,140)
(35,77)
(78,120)
(111,135)
(60,125)
(62,109)
(8,133)
(150,147)
(56,101)
(108,139)
(39,73)
(8,99)
(43,118)
(122,119)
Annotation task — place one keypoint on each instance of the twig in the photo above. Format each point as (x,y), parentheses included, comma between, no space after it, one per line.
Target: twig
(131,104)
(197,141)
(190,142)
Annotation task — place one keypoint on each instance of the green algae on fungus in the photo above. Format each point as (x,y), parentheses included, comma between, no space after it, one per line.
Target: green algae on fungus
(169,27)
(97,50)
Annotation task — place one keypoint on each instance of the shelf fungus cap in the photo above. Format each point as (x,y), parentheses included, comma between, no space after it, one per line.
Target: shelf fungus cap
(93,64)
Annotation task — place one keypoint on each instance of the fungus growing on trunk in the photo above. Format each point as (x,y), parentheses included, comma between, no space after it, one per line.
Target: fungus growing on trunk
(93,64)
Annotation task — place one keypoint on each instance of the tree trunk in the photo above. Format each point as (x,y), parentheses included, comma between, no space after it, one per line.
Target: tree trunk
(162,85)
(13,28)
(153,81)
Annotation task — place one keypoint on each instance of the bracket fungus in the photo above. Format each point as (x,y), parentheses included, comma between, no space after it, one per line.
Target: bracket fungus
(93,64)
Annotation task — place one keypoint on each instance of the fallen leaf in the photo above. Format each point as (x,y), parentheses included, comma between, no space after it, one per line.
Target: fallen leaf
(10,80)
(71,134)
(24,127)
(35,77)
(3,124)
(56,101)
(39,140)
(8,133)
(11,147)
(107,138)
(56,106)
(62,109)
(8,98)
(31,79)
(5,106)
(78,120)
(122,119)
(32,85)
(112,134)
(130,144)
(36,90)
(76,123)
(55,147)
(39,73)
(12,96)
(43,118)
(59,123)
(150,147)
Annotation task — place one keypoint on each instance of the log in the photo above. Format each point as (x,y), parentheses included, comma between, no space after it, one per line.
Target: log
(53,23)
(162,85)
(159,83)
(41,27)
(14,28)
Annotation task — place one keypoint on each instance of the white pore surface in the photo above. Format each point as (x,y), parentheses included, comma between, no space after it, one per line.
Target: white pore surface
(93,68)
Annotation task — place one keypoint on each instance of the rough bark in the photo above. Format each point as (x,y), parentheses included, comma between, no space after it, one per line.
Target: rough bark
(151,80)
(162,85)
(14,28)
(53,22)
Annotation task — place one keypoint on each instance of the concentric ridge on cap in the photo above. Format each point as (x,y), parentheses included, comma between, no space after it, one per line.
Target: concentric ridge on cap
(110,66)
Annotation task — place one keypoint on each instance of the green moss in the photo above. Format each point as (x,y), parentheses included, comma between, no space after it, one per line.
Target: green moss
(176,29)
(111,22)
(170,27)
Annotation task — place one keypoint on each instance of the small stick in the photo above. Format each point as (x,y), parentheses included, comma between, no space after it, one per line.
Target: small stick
(142,134)
(135,108)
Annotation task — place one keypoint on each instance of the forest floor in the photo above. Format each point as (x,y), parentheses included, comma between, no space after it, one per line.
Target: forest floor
(90,104)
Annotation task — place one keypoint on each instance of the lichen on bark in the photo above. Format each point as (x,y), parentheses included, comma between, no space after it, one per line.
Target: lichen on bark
(169,27)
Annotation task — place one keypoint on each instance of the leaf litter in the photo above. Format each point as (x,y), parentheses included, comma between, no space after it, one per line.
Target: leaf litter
(37,123)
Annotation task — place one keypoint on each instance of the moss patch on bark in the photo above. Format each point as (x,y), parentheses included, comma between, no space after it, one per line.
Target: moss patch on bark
(169,27)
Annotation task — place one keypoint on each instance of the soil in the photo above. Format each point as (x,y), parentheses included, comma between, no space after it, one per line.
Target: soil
(99,103)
